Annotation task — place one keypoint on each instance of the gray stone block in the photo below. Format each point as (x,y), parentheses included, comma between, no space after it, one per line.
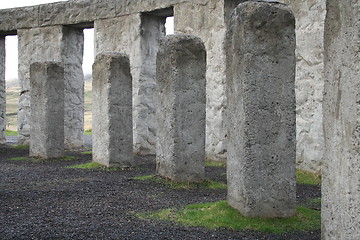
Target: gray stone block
(340,213)
(75,12)
(112,111)
(61,44)
(47,110)
(181,99)
(2,91)
(261,110)
(72,55)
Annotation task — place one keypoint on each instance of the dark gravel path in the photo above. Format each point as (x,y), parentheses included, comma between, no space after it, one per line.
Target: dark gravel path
(44,200)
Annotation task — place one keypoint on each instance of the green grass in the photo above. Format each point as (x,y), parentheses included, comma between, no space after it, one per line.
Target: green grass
(32,159)
(212,163)
(87,153)
(11,133)
(315,201)
(21,159)
(221,215)
(206,184)
(21,147)
(309,178)
(88,132)
(96,166)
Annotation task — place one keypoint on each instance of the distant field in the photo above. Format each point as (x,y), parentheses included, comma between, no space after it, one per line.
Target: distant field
(88,106)
(12,100)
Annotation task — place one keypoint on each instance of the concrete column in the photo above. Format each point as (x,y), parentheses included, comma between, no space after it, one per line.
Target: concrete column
(138,36)
(261,110)
(60,44)
(2,91)
(47,110)
(112,111)
(340,211)
(211,28)
(309,81)
(72,56)
(181,99)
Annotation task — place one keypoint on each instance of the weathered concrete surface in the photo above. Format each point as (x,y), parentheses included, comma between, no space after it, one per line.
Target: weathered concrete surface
(310,18)
(72,57)
(181,98)
(77,11)
(61,44)
(2,91)
(341,170)
(261,110)
(137,36)
(47,110)
(210,27)
(112,111)
(35,45)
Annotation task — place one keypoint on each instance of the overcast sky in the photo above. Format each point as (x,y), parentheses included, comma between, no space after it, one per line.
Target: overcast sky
(11,41)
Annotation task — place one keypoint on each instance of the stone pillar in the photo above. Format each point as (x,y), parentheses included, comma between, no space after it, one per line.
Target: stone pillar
(138,36)
(309,81)
(2,91)
(181,99)
(60,44)
(208,21)
(72,56)
(112,111)
(340,211)
(47,110)
(261,110)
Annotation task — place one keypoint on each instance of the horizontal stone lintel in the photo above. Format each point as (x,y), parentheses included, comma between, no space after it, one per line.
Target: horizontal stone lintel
(80,13)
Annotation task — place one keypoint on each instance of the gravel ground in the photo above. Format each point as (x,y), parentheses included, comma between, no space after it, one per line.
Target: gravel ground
(45,200)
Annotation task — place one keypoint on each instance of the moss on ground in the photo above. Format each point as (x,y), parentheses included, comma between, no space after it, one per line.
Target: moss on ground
(33,159)
(97,166)
(221,215)
(21,147)
(87,153)
(88,132)
(11,133)
(206,184)
(309,178)
(212,163)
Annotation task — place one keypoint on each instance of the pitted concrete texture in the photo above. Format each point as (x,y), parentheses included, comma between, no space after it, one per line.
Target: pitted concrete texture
(77,11)
(134,27)
(112,111)
(47,110)
(210,27)
(340,201)
(309,81)
(72,56)
(138,36)
(61,44)
(181,98)
(2,91)
(261,110)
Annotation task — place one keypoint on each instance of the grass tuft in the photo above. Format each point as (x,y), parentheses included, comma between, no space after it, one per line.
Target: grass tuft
(88,132)
(87,153)
(21,147)
(21,159)
(96,166)
(206,184)
(309,178)
(33,159)
(11,133)
(221,215)
(212,163)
